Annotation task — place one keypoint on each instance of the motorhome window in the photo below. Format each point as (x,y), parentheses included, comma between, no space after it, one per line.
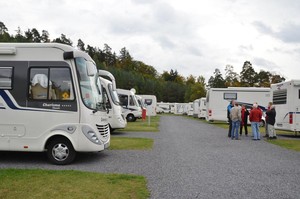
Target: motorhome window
(91,94)
(6,74)
(114,94)
(280,96)
(123,100)
(50,84)
(131,100)
(62,83)
(230,96)
(148,101)
(108,104)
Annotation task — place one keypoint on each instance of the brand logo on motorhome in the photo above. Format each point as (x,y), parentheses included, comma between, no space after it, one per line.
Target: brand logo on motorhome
(279,86)
(54,106)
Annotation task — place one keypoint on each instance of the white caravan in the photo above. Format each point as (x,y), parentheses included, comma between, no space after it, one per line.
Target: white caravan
(286,98)
(163,107)
(150,103)
(50,101)
(130,106)
(180,108)
(202,108)
(217,100)
(196,108)
(116,119)
(190,109)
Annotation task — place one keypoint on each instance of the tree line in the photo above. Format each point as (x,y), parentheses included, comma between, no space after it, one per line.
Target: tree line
(129,73)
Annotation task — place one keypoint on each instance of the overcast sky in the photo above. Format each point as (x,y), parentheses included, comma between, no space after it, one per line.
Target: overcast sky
(190,36)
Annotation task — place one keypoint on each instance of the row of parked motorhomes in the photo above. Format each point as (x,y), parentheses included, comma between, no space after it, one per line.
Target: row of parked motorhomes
(53,99)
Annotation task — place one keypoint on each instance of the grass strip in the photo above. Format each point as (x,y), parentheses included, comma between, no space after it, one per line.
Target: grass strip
(288,144)
(69,184)
(128,143)
(142,126)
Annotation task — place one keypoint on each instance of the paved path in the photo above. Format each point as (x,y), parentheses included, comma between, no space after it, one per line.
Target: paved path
(192,159)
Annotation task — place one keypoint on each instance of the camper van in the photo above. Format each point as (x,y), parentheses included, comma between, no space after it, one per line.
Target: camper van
(217,100)
(116,119)
(286,98)
(202,108)
(150,103)
(130,106)
(196,108)
(50,101)
(163,107)
(190,108)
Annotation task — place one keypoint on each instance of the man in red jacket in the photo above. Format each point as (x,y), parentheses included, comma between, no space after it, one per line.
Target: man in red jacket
(255,119)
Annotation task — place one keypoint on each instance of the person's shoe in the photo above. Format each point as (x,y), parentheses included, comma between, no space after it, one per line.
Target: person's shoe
(275,137)
(266,136)
(254,139)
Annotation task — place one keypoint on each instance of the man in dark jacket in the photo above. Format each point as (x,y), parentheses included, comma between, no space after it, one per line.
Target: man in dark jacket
(244,122)
(271,115)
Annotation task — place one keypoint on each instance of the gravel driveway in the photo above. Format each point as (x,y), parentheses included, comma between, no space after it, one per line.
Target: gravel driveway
(191,159)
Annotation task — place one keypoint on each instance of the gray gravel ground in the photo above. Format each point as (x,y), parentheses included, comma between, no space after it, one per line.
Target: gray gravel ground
(191,159)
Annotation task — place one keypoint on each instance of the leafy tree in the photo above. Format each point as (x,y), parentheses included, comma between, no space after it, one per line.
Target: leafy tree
(263,78)
(64,40)
(80,45)
(217,81)
(3,28)
(45,36)
(276,79)
(231,77)
(248,75)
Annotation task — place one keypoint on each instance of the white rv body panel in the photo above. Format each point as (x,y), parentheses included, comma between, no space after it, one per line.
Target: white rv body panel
(42,98)
(196,107)
(163,107)
(190,109)
(217,100)
(116,119)
(202,108)
(180,108)
(286,98)
(150,102)
(130,106)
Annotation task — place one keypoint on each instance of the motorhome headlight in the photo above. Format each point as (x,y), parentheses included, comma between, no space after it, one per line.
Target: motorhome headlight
(91,134)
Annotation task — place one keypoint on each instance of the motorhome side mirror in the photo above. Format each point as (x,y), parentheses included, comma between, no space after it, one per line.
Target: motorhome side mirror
(91,69)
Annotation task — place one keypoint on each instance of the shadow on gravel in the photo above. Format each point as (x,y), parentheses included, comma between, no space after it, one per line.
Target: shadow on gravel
(41,158)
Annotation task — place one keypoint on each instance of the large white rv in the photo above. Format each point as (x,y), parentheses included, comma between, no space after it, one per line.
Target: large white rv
(116,119)
(130,106)
(286,98)
(50,101)
(151,103)
(217,100)
(163,107)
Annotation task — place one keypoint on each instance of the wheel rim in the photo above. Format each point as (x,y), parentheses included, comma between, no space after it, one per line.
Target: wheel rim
(60,152)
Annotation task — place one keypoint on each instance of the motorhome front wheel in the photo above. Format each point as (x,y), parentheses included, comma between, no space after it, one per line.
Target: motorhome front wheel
(60,151)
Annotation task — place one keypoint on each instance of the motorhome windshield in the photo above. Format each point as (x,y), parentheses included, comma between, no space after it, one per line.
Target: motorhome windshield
(91,93)
(114,94)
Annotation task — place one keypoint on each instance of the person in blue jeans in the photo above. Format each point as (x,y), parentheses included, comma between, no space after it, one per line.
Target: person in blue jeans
(236,118)
(255,119)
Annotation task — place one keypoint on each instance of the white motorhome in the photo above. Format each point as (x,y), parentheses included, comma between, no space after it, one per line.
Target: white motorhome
(116,119)
(163,107)
(190,108)
(180,108)
(196,108)
(130,106)
(286,98)
(50,101)
(217,100)
(150,102)
(202,108)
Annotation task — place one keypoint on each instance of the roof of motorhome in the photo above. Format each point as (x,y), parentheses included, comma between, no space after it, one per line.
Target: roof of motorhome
(11,48)
(241,89)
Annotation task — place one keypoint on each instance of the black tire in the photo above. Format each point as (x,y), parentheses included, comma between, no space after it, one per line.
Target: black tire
(130,118)
(60,151)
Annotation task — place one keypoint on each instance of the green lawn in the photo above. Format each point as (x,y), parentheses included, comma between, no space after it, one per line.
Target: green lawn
(142,126)
(68,184)
(126,143)
(288,144)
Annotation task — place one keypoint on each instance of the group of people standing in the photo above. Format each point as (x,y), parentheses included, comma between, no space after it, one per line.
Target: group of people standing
(238,118)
